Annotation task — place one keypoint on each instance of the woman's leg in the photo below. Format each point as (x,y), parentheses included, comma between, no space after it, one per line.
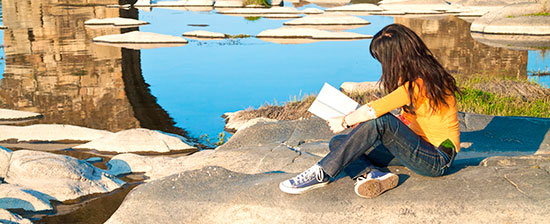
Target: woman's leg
(408,148)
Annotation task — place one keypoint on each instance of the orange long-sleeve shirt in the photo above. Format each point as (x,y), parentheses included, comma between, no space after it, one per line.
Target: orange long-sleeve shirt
(434,127)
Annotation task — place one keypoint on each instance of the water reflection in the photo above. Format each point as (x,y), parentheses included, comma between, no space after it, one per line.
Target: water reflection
(52,68)
(449,39)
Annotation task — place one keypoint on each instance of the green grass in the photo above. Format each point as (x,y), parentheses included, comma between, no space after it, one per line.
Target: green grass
(481,102)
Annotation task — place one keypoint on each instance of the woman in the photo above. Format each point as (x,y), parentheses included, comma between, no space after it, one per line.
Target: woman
(425,139)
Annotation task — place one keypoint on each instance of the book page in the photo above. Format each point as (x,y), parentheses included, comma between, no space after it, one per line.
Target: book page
(332,103)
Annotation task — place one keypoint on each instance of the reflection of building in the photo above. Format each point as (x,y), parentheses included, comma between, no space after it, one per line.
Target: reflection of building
(53,68)
(450,41)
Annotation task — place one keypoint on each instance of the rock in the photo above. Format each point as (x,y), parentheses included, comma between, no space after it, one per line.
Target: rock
(328,19)
(11,218)
(185,3)
(228,4)
(329,3)
(3,27)
(204,34)
(530,161)
(5,157)
(388,13)
(296,32)
(514,42)
(512,19)
(411,6)
(234,121)
(13,116)
(15,197)
(138,40)
(365,7)
(281,16)
(126,22)
(216,195)
(263,11)
(61,177)
(313,11)
(359,87)
(143,3)
(138,140)
(50,133)
(477,13)
(254,149)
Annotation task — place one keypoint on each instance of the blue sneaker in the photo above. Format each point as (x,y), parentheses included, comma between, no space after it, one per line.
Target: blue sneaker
(375,183)
(310,179)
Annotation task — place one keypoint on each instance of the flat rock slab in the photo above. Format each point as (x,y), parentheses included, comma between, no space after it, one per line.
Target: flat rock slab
(58,176)
(365,7)
(313,11)
(49,133)
(512,41)
(12,116)
(204,34)
(514,19)
(141,40)
(15,197)
(359,87)
(126,22)
(182,3)
(3,27)
(12,218)
(328,19)
(297,32)
(255,11)
(138,140)
(216,195)
(228,4)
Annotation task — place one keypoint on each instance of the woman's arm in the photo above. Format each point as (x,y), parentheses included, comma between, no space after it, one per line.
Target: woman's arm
(377,108)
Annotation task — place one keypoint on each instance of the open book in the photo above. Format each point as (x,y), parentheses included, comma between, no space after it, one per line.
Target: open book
(332,103)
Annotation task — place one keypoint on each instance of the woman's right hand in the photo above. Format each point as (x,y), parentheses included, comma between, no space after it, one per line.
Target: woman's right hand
(335,124)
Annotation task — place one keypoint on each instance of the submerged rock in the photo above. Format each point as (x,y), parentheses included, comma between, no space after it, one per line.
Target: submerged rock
(15,197)
(365,7)
(311,33)
(12,116)
(138,40)
(49,133)
(138,140)
(514,19)
(127,22)
(204,34)
(61,177)
(328,19)
(11,218)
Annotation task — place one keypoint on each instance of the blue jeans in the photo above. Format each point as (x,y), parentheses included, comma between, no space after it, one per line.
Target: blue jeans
(383,141)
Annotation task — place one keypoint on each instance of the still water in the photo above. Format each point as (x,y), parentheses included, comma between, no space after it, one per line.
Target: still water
(49,65)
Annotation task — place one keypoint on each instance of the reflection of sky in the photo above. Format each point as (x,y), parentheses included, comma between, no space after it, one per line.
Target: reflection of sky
(539,61)
(199,82)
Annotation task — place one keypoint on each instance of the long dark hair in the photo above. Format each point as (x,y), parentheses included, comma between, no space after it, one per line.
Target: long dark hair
(405,58)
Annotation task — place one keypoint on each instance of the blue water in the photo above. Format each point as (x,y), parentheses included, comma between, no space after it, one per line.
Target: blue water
(539,61)
(199,82)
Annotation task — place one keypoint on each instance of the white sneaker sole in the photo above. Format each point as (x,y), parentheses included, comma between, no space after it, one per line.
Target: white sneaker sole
(374,187)
(291,190)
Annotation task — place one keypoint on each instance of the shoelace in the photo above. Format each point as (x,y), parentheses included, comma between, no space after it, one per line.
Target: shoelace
(306,175)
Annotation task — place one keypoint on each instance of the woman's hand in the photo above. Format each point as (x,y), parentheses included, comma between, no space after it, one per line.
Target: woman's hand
(335,124)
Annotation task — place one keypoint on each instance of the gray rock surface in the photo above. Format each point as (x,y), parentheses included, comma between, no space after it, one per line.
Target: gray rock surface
(58,176)
(11,218)
(15,197)
(216,195)
(514,42)
(514,19)
(49,133)
(12,116)
(138,140)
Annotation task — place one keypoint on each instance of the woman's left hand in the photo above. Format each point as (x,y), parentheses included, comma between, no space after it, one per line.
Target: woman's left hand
(335,124)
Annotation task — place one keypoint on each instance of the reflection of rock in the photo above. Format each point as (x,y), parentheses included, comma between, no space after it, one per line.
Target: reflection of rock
(328,19)
(514,19)
(15,197)
(286,33)
(12,116)
(449,40)
(49,133)
(137,140)
(116,22)
(514,42)
(61,177)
